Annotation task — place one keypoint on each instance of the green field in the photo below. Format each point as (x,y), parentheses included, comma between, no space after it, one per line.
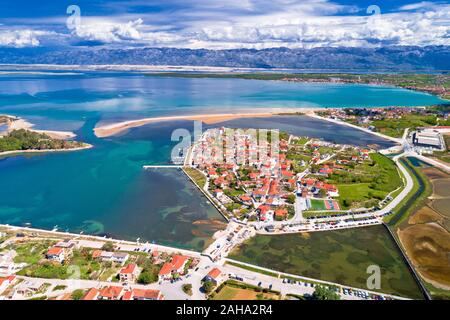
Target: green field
(359,193)
(396,127)
(317,205)
(196,175)
(30,252)
(367,183)
(340,256)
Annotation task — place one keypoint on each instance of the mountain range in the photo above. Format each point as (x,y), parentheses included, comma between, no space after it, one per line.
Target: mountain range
(396,58)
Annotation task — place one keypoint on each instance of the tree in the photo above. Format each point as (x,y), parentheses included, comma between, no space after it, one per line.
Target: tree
(291,198)
(322,193)
(187,288)
(208,286)
(325,293)
(77,294)
(108,246)
(146,278)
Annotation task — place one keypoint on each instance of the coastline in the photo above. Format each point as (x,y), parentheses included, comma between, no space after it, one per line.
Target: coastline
(343,123)
(17,123)
(16,152)
(97,238)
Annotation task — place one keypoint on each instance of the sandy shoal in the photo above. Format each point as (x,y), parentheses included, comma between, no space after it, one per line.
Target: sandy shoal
(116,128)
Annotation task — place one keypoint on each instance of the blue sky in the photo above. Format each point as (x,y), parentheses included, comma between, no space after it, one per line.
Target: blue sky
(223,24)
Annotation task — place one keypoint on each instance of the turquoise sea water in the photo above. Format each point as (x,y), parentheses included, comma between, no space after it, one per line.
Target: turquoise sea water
(104,190)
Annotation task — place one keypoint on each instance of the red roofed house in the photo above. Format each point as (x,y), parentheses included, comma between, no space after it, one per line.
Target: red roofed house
(96,254)
(55,254)
(263,209)
(281,214)
(176,266)
(253,175)
(6,282)
(111,293)
(92,294)
(143,294)
(325,171)
(246,199)
(214,275)
(129,273)
(287,173)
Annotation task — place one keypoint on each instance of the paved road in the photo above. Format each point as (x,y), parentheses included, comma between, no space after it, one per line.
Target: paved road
(430,161)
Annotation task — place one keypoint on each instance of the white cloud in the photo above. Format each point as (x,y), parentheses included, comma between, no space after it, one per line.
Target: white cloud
(21,38)
(264,24)
(106,31)
(418,5)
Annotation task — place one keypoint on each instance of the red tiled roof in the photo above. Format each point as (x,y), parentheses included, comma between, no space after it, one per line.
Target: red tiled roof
(146,293)
(287,173)
(214,273)
(166,269)
(178,261)
(91,294)
(128,295)
(111,292)
(263,208)
(54,251)
(96,253)
(131,268)
(281,212)
(9,279)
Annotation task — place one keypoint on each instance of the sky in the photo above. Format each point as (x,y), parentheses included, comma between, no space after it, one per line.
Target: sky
(225,24)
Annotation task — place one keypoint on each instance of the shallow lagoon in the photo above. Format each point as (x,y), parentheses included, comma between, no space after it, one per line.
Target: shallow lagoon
(104,190)
(341,256)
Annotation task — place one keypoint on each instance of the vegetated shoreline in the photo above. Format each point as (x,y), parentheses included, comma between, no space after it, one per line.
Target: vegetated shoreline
(16,123)
(16,152)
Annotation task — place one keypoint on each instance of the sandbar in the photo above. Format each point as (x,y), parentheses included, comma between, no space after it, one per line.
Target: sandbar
(108,130)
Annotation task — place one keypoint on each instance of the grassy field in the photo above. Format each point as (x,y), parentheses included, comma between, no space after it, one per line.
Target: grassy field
(317,205)
(31,252)
(340,256)
(236,291)
(79,265)
(359,195)
(396,127)
(367,183)
(196,175)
